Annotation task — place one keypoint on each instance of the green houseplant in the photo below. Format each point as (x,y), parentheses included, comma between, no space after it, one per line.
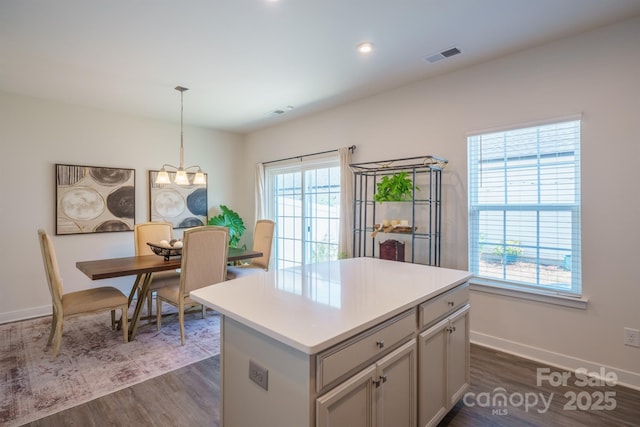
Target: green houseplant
(395,188)
(231,220)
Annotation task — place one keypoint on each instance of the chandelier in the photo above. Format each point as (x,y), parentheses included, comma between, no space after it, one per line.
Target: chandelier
(181,177)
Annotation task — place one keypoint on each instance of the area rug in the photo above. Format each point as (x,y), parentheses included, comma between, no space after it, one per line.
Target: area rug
(93,361)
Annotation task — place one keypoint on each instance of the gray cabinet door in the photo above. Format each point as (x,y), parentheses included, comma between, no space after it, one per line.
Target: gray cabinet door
(396,393)
(432,371)
(443,366)
(459,355)
(349,404)
(381,395)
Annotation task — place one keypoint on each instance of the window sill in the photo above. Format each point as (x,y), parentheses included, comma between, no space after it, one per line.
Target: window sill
(514,291)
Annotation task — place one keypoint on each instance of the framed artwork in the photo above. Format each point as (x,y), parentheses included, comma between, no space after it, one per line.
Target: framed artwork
(93,199)
(182,205)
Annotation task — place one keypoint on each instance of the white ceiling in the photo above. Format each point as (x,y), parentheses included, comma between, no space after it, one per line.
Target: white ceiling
(242,59)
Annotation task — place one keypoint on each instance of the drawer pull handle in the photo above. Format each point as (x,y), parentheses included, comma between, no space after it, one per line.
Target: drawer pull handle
(451,329)
(451,303)
(381,379)
(380,344)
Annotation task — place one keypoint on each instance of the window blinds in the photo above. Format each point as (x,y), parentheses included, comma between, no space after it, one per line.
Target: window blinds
(524,206)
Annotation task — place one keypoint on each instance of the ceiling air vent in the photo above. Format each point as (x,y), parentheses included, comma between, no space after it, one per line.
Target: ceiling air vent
(450,52)
(280,111)
(444,54)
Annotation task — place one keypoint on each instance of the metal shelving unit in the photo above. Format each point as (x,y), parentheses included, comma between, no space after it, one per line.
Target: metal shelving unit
(423,212)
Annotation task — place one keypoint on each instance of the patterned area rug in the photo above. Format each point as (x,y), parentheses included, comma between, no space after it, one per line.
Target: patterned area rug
(93,361)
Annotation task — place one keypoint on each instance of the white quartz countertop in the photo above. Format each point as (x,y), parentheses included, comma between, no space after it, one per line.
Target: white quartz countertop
(313,307)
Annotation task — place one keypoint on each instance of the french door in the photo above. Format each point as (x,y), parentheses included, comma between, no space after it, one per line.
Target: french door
(304,199)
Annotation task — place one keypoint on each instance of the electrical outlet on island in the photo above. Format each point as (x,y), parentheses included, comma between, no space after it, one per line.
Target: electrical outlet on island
(632,337)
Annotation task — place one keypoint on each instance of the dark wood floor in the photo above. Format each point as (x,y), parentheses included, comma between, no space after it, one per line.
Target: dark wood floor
(491,369)
(190,396)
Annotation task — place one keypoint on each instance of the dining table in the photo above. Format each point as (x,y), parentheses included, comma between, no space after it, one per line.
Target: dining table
(143,267)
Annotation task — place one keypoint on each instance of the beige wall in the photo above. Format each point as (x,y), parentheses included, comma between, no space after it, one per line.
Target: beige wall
(595,74)
(35,135)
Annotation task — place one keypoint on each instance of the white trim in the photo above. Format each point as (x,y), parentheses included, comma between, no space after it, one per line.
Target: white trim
(562,361)
(541,122)
(514,291)
(28,313)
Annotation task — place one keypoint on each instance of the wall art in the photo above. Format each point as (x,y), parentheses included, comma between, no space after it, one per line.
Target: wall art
(182,205)
(93,199)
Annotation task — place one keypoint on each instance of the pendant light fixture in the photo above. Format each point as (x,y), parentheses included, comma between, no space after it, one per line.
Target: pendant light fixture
(181,172)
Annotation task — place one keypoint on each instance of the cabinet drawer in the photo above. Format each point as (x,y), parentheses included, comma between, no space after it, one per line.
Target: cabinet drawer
(343,358)
(438,307)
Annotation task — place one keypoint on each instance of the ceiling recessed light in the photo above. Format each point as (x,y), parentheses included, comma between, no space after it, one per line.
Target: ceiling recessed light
(365,47)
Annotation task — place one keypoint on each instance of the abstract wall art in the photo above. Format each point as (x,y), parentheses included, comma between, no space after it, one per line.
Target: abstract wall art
(182,205)
(93,199)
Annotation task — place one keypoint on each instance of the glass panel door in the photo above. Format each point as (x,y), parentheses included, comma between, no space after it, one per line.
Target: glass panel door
(304,200)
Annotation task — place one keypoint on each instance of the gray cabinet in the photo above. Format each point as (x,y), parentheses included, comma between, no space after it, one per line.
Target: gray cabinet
(433,378)
(405,370)
(396,395)
(381,395)
(443,366)
(436,366)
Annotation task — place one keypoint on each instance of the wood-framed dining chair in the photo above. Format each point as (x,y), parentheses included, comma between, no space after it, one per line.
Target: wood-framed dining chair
(72,304)
(204,263)
(262,242)
(153,232)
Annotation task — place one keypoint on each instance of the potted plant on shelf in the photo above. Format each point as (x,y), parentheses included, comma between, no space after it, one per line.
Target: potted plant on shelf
(395,188)
(231,220)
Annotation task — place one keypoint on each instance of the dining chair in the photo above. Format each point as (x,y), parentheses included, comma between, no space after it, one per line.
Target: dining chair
(77,303)
(204,263)
(262,242)
(153,232)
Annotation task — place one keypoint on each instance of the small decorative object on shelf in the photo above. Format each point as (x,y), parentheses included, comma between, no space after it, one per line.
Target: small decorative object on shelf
(399,228)
(392,250)
(167,249)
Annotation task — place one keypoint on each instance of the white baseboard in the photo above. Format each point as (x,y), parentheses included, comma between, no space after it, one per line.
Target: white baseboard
(561,361)
(29,313)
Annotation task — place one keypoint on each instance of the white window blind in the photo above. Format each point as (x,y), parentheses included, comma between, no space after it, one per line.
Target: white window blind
(524,207)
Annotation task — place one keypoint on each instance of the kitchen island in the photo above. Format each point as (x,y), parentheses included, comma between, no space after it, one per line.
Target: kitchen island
(348,342)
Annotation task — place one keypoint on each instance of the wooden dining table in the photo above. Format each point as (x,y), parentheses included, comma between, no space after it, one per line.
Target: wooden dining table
(143,267)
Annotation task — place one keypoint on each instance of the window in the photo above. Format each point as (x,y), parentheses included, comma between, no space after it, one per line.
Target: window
(524,207)
(304,199)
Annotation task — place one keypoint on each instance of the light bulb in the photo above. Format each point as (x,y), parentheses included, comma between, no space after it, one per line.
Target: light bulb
(199,178)
(163,177)
(181,177)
